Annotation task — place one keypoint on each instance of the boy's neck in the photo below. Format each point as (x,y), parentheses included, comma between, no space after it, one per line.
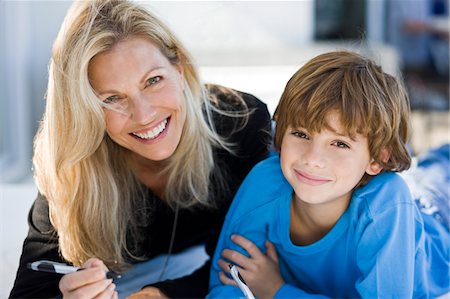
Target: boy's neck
(311,222)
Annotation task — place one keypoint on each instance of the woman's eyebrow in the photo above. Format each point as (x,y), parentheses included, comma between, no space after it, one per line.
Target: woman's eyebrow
(147,74)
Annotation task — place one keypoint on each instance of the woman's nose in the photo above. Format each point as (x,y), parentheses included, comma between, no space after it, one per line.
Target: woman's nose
(142,109)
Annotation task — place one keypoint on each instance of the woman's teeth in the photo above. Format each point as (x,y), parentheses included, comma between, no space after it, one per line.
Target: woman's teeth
(153,133)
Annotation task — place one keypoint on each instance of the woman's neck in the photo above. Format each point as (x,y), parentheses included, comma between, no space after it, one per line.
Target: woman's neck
(150,173)
(311,222)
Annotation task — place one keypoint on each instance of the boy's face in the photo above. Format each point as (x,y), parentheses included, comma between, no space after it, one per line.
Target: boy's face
(323,168)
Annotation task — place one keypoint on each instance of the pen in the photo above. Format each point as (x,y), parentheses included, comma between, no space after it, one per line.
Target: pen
(61,268)
(240,282)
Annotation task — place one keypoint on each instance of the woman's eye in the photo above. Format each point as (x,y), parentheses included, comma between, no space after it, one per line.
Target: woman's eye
(111,100)
(300,134)
(341,144)
(153,80)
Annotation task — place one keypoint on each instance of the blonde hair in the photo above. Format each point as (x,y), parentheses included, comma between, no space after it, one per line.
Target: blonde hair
(370,102)
(93,195)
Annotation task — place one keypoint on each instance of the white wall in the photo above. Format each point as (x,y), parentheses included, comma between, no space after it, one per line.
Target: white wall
(27,29)
(238,25)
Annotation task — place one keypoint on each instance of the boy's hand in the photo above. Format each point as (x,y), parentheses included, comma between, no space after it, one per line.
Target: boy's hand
(260,272)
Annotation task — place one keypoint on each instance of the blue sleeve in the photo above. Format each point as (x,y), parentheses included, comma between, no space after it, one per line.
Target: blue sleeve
(248,216)
(386,251)
(236,210)
(216,288)
(290,291)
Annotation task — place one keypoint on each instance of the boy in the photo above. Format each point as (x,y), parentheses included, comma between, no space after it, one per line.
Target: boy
(328,215)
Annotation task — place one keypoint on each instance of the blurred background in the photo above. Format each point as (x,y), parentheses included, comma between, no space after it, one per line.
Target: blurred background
(253,46)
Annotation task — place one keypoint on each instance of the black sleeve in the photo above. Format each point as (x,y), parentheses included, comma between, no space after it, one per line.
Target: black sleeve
(252,146)
(253,142)
(41,243)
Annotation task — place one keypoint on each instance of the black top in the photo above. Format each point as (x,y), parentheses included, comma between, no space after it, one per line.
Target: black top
(195,226)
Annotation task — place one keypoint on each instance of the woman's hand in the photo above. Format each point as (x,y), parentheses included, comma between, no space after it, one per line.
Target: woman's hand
(260,272)
(148,292)
(90,282)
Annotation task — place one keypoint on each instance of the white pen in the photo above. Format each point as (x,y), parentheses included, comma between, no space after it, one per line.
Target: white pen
(61,268)
(240,282)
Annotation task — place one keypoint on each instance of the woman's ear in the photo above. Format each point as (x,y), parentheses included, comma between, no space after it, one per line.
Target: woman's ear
(179,68)
(374,167)
(180,71)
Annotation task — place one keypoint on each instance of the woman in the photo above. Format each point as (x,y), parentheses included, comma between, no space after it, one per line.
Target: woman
(134,157)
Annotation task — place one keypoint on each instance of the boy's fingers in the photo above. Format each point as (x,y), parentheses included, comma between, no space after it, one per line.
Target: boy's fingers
(248,245)
(236,258)
(271,252)
(226,280)
(224,265)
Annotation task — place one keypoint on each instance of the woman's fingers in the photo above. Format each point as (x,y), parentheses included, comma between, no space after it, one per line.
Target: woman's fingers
(93,290)
(90,282)
(148,292)
(73,281)
(95,262)
(108,293)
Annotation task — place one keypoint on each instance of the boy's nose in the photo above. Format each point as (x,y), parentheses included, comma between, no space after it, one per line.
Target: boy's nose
(314,157)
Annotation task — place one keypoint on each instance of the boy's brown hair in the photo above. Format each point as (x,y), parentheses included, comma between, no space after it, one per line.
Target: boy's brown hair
(370,102)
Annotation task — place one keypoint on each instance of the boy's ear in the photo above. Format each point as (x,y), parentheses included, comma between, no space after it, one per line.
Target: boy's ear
(374,167)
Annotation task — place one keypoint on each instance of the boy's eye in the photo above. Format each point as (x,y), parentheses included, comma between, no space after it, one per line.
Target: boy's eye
(300,134)
(153,80)
(341,144)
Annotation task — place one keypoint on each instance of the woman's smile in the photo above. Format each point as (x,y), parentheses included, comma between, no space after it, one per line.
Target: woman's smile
(154,132)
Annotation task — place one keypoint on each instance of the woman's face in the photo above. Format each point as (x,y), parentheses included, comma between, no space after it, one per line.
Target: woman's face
(143,97)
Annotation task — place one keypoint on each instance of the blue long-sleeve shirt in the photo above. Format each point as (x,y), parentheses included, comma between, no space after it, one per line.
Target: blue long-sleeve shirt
(382,246)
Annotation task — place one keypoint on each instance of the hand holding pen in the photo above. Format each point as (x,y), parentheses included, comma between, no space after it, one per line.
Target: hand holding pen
(60,268)
(259,269)
(241,282)
(89,281)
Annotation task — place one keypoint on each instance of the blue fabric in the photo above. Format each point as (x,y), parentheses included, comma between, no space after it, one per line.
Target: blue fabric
(429,182)
(382,246)
(143,273)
